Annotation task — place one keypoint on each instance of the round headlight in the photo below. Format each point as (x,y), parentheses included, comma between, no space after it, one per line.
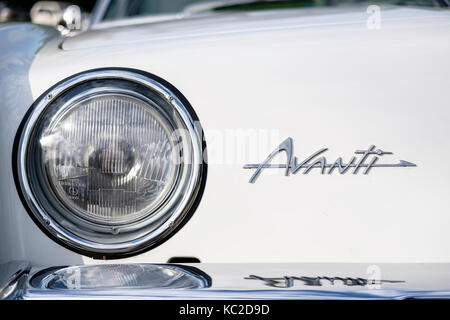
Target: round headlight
(111,161)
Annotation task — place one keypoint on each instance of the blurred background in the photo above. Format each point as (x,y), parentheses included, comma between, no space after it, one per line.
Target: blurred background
(78,15)
(19,10)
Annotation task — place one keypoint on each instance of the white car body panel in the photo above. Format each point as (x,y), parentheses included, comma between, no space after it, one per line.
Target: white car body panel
(326,80)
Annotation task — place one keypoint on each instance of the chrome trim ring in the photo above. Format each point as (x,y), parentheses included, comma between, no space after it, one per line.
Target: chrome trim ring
(182,210)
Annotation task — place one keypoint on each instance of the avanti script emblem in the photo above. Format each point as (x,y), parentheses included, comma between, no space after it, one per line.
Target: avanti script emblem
(314,161)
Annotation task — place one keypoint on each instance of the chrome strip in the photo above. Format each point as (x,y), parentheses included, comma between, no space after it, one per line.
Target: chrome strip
(280,281)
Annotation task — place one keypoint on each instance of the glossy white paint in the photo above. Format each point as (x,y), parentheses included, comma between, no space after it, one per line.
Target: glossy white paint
(324,79)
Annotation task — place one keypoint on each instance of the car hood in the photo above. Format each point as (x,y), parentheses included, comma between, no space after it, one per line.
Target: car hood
(327,81)
(207,25)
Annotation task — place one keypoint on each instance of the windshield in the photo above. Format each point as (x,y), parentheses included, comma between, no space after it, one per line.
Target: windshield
(120,9)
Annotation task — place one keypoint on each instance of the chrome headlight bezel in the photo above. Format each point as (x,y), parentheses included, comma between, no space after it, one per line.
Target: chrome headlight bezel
(137,237)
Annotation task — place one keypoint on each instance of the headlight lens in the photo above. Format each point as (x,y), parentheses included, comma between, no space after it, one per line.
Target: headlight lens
(110,158)
(111,162)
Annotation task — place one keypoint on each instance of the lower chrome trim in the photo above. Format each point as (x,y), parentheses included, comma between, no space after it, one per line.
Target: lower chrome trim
(266,281)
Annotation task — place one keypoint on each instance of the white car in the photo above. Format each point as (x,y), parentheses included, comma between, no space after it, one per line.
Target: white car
(229,149)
